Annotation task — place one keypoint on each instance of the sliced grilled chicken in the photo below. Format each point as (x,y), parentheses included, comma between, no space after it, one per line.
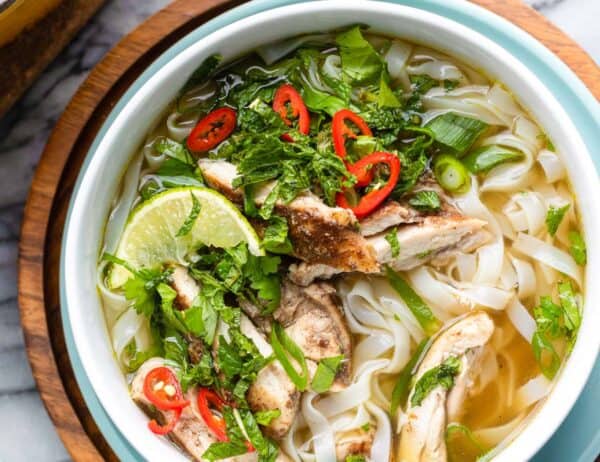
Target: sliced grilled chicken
(312,317)
(422,437)
(186,286)
(434,240)
(390,214)
(272,388)
(304,273)
(434,237)
(354,443)
(319,234)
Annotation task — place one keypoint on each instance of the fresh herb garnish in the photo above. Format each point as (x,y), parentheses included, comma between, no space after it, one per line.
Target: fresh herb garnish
(456,131)
(485,158)
(188,224)
(421,311)
(284,346)
(439,376)
(425,201)
(577,248)
(554,218)
(276,239)
(326,372)
(555,322)
(392,238)
(266,417)
(402,387)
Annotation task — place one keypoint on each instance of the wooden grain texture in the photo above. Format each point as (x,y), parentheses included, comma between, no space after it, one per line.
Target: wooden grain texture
(24,58)
(60,163)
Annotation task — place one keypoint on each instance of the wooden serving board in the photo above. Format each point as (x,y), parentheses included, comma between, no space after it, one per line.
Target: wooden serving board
(59,166)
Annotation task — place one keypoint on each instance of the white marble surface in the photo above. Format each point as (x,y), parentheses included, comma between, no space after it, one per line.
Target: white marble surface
(27,433)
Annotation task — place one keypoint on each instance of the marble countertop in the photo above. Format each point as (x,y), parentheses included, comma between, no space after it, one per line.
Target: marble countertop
(23,133)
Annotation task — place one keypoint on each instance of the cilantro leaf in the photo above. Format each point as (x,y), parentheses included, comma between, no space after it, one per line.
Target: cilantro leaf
(554,217)
(402,387)
(441,375)
(577,248)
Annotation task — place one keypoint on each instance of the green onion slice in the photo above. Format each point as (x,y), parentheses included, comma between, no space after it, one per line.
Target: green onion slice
(283,347)
(416,305)
(451,174)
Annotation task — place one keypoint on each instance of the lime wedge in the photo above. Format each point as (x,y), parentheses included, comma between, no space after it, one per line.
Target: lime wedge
(150,236)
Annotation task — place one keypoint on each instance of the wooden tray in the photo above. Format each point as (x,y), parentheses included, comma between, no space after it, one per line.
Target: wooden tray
(59,166)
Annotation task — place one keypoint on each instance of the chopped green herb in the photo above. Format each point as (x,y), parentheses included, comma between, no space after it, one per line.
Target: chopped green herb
(386,97)
(206,68)
(555,322)
(485,158)
(424,254)
(360,62)
(276,239)
(456,131)
(188,224)
(439,376)
(283,346)
(326,372)
(572,315)
(402,387)
(266,417)
(366,427)
(577,248)
(416,305)
(554,217)
(425,201)
(450,85)
(355,458)
(392,238)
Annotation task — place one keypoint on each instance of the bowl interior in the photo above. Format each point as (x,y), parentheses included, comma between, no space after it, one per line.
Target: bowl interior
(101,177)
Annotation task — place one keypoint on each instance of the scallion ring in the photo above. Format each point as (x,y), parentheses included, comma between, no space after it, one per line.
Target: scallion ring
(451,174)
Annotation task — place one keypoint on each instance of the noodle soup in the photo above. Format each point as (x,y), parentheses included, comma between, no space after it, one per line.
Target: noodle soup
(343,247)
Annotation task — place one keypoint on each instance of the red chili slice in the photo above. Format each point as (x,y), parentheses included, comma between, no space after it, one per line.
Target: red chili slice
(207,398)
(212,130)
(288,102)
(155,389)
(341,131)
(362,169)
(216,424)
(168,427)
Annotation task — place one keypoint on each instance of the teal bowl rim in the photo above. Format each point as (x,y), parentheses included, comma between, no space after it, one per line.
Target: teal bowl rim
(576,99)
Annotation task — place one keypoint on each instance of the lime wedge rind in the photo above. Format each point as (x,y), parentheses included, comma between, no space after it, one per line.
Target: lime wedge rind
(150,235)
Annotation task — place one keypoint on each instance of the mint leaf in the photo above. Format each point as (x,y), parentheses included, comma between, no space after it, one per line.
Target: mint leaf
(188,224)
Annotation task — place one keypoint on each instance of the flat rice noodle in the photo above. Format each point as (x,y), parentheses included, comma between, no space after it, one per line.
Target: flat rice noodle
(533,391)
(323,439)
(548,255)
(492,436)
(382,443)
(526,279)
(553,167)
(521,319)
